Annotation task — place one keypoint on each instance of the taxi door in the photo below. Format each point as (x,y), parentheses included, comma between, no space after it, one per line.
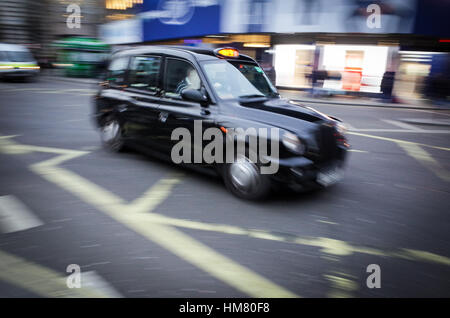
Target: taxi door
(143,95)
(174,112)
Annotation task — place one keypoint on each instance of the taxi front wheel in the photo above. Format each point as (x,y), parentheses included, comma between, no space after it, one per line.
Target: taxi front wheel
(243,179)
(111,134)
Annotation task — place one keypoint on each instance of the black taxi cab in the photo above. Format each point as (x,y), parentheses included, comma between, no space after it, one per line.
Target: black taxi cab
(151,91)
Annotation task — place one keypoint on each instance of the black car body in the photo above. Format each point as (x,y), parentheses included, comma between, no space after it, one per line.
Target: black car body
(150,91)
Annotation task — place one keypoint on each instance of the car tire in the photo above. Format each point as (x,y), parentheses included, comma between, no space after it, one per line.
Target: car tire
(111,134)
(243,178)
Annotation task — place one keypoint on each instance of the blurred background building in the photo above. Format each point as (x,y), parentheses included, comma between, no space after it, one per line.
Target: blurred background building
(326,47)
(21,22)
(37,23)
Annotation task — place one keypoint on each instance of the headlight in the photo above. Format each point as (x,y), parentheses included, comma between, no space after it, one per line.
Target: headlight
(341,128)
(293,143)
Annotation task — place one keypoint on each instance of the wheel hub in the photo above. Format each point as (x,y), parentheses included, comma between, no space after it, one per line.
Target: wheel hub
(244,175)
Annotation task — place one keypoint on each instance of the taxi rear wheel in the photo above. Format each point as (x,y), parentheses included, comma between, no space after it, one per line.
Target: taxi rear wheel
(244,179)
(111,134)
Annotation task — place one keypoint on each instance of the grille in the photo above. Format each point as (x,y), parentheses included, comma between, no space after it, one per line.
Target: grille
(326,139)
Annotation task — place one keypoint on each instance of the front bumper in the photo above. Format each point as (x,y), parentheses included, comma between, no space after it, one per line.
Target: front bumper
(301,172)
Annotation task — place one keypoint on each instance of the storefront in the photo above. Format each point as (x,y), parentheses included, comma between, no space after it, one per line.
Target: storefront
(337,67)
(293,65)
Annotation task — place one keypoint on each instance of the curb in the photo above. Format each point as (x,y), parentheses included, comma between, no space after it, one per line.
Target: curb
(368,105)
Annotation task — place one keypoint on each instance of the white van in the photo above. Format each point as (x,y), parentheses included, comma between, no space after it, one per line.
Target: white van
(17,61)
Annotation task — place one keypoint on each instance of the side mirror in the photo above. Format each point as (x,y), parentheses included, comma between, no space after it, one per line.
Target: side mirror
(194,95)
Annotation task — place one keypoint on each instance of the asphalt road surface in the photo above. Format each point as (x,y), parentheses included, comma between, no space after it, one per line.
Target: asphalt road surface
(139,227)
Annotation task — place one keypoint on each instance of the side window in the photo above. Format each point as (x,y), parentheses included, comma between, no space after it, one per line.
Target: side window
(117,69)
(180,75)
(144,72)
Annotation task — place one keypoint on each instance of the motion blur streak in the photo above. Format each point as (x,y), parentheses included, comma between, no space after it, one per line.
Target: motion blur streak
(115,207)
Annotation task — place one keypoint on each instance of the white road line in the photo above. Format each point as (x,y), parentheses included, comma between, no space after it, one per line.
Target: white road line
(15,216)
(94,281)
(402,125)
(398,141)
(431,131)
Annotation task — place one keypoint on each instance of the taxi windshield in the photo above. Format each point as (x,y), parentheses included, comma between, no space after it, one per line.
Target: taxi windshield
(237,80)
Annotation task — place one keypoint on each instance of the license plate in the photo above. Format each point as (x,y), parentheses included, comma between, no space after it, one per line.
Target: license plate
(329,177)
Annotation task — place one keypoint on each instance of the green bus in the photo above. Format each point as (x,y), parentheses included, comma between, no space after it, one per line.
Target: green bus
(80,57)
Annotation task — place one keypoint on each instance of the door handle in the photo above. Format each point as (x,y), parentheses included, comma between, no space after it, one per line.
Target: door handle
(162,117)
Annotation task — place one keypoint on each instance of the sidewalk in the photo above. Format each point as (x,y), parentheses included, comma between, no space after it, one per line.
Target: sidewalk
(302,96)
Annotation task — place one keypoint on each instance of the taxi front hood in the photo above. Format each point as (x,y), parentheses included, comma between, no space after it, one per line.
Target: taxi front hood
(283,107)
(276,112)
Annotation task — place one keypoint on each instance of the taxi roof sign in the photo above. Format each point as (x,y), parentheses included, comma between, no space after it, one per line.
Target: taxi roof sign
(227,52)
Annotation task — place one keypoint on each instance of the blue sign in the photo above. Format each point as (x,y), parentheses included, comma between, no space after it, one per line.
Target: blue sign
(169,19)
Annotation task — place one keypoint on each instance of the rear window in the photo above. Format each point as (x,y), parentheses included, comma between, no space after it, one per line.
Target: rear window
(117,69)
(144,72)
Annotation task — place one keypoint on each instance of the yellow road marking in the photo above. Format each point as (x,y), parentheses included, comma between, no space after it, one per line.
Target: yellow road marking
(397,140)
(9,147)
(158,227)
(155,195)
(180,244)
(341,287)
(8,137)
(425,256)
(414,150)
(39,279)
(425,159)
(327,245)
(205,258)
(147,202)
